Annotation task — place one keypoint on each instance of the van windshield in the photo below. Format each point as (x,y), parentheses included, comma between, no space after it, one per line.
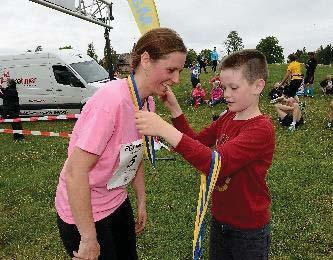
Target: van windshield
(90,71)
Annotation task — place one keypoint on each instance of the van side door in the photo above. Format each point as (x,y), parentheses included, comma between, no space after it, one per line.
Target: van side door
(34,87)
(67,88)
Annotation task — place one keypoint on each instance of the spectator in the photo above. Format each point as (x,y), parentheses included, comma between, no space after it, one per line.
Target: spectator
(214,58)
(198,95)
(310,66)
(327,85)
(195,74)
(294,74)
(216,94)
(289,112)
(11,106)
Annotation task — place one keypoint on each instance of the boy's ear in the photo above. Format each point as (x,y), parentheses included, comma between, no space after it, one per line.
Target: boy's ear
(259,86)
(145,60)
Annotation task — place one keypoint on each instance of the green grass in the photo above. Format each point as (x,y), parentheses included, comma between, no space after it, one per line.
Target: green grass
(300,181)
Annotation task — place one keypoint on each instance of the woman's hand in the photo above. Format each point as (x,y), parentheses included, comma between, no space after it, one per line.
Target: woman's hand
(141,218)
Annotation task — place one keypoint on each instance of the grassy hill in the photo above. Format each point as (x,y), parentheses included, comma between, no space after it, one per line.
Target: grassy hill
(300,182)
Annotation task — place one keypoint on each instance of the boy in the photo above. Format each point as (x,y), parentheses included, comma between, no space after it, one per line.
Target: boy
(245,139)
(289,112)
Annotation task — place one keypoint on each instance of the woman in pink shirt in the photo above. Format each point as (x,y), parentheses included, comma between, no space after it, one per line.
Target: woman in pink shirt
(95,217)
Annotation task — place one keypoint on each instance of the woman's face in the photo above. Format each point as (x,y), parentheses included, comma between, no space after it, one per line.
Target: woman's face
(164,72)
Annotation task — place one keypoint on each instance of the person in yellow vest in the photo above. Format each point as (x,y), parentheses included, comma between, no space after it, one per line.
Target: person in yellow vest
(294,73)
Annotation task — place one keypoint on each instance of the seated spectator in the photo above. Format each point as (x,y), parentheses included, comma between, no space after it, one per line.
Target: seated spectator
(327,85)
(276,91)
(289,112)
(198,95)
(216,94)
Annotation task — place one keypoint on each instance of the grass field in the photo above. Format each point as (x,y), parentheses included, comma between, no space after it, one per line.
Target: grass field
(300,182)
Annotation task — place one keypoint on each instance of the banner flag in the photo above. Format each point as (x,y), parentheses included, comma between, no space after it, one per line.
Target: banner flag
(145,14)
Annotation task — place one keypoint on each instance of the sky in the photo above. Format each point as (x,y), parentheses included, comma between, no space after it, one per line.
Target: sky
(202,25)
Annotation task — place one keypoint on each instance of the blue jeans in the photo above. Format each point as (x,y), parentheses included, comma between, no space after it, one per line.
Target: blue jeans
(229,243)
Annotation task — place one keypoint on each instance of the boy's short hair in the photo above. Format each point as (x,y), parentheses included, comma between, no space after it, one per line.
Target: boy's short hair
(252,62)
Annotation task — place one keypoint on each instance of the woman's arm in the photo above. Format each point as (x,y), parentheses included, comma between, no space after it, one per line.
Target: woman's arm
(138,185)
(77,170)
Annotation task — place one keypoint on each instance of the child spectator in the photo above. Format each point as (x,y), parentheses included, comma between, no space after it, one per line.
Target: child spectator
(289,112)
(216,94)
(195,74)
(327,85)
(198,95)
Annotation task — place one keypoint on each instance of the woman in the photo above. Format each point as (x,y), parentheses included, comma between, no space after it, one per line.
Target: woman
(95,217)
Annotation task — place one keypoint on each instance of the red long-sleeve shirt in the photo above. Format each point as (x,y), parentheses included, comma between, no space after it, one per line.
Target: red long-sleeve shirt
(246,148)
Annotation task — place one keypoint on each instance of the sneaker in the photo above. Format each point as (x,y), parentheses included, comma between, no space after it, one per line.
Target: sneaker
(291,128)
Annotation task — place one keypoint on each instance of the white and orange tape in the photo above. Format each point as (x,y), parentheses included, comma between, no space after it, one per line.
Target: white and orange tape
(42,118)
(30,132)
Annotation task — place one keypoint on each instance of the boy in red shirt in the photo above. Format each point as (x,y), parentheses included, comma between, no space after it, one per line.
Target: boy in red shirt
(245,139)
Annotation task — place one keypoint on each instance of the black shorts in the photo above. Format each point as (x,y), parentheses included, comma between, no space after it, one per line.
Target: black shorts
(309,78)
(292,88)
(115,234)
(288,119)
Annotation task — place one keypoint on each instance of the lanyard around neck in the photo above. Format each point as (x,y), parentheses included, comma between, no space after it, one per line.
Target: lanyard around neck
(148,140)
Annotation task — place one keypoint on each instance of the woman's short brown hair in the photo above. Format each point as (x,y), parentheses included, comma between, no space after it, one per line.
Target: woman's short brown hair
(157,43)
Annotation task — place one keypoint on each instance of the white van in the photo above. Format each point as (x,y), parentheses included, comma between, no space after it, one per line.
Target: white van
(52,83)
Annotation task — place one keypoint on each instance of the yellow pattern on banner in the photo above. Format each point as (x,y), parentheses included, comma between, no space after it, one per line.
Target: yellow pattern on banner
(145,14)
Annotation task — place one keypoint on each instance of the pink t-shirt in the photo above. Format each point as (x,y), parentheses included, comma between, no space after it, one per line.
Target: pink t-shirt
(105,125)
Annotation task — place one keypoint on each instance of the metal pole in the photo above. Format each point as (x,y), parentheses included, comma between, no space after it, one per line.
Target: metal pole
(108,51)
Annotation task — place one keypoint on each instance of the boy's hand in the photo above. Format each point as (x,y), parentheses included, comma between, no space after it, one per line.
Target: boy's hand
(170,101)
(149,123)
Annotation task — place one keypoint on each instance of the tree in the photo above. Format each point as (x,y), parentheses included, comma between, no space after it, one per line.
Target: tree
(269,46)
(91,51)
(67,47)
(106,60)
(190,58)
(233,42)
(38,48)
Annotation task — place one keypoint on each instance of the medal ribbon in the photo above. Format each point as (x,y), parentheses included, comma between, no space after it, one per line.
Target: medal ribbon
(148,141)
(206,188)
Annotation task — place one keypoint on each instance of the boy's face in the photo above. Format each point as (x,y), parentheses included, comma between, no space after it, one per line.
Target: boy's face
(238,92)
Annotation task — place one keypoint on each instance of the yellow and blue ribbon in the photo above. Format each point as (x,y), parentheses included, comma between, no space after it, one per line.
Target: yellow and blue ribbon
(206,188)
(148,140)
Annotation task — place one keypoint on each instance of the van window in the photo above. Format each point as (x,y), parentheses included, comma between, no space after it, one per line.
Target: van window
(90,71)
(65,77)
(62,74)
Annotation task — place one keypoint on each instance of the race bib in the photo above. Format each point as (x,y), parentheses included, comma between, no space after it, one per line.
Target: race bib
(131,155)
